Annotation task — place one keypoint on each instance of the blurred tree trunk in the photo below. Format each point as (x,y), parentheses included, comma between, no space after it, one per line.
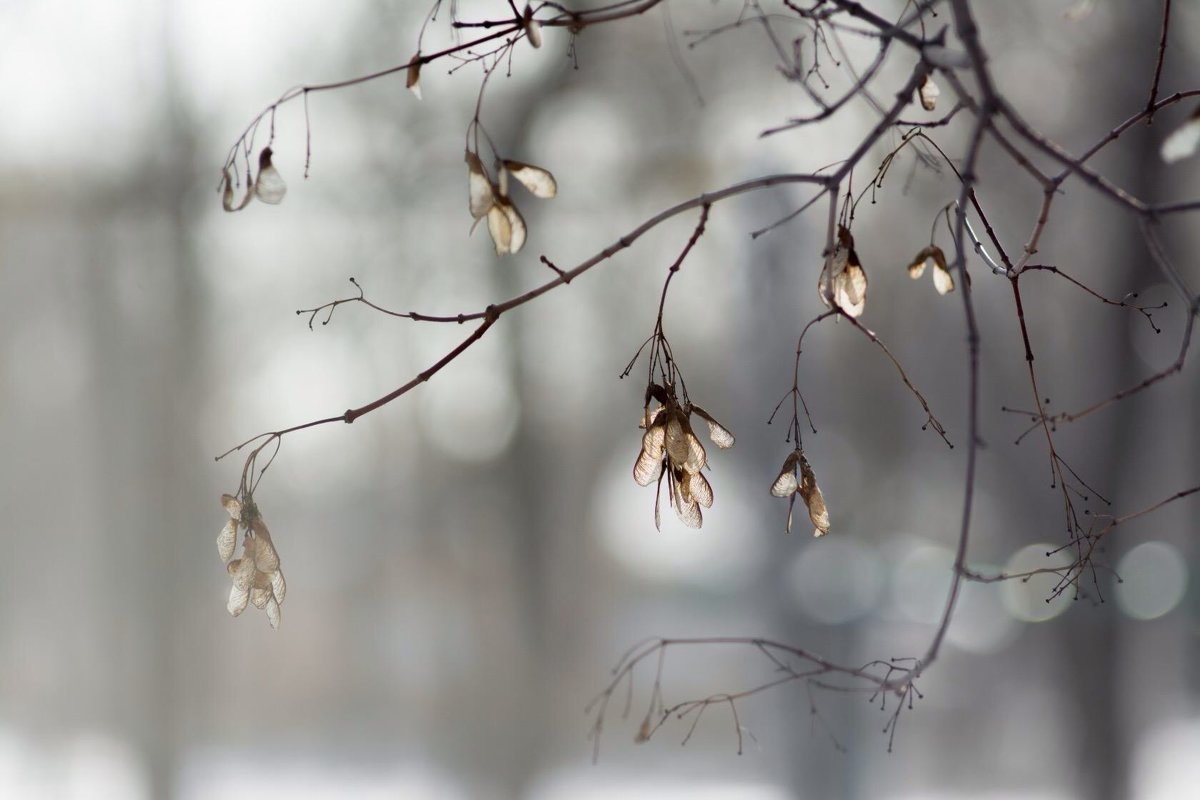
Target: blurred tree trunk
(151,366)
(1105,740)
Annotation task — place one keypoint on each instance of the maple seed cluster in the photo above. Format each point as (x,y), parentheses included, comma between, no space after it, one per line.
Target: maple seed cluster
(671,450)
(268,186)
(797,478)
(256,575)
(489,199)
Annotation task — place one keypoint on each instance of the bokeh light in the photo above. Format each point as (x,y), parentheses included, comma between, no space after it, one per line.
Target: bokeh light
(921,582)
(1154,579)
(1034,600)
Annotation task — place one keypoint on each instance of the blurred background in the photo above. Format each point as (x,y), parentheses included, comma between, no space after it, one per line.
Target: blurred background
(467,564)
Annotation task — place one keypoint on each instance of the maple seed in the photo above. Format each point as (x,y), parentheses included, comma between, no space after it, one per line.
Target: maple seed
(479,187)
(811,493)
(1183,141)
(537,180)
(270,187)
(929,93)
(533,29)
(227,193)
(788,484)
(943,281)
(643,734)
(843,281)
(413,81)
(516,225)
